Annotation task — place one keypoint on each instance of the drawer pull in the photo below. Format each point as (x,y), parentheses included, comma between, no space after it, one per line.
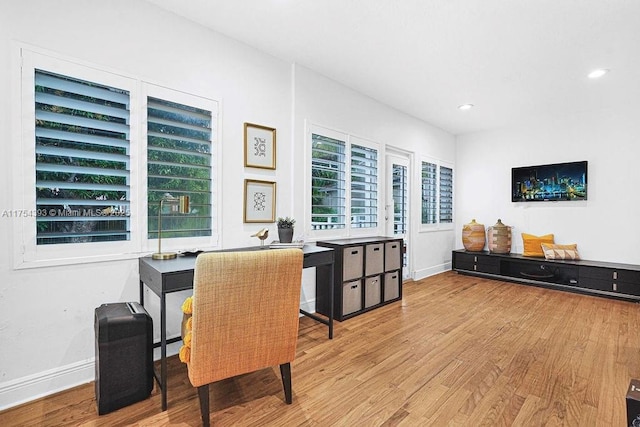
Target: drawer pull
(354,252)
(615,275)
(376,249)
(394,246)
(354,286)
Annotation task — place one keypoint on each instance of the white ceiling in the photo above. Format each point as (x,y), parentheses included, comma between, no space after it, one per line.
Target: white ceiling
(515,60)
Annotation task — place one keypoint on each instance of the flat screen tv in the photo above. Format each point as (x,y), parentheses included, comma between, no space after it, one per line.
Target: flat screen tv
(546,183)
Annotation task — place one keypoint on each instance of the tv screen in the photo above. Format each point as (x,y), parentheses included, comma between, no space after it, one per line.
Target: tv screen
(553,182)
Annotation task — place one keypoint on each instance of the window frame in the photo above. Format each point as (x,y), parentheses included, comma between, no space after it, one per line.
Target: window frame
(437,225)
(22,212)
(349,140)
(155,91)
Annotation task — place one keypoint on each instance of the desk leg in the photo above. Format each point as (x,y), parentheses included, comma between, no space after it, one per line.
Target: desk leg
(162,381)
(331,298)
(163,350)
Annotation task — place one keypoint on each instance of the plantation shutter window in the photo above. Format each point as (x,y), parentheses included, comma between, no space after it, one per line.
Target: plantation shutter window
(327,183)
(98,151)
(82,161)
(400,197)
(437,194)
(429,193)
(179,161)
(446,195)
(364,187)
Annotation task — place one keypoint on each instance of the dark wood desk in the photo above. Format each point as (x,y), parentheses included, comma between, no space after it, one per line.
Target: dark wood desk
(166,276)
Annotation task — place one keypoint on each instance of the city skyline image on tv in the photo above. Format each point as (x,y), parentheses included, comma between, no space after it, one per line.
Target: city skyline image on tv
(552,182)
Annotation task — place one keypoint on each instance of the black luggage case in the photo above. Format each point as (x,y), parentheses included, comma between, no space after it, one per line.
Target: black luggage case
(124,355)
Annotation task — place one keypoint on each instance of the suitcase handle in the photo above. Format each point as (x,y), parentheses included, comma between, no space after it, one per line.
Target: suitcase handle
(135,308)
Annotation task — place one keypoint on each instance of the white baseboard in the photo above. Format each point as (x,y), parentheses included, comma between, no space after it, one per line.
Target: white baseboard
(308,306)
(31,387)
(432,271)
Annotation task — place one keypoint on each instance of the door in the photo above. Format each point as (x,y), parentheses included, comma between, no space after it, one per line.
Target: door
(396,208)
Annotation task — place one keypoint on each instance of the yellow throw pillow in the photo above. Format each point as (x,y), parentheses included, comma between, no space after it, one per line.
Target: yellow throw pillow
(533,244)
(560,251)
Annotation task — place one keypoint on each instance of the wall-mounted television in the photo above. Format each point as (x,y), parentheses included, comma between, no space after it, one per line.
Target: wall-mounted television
(552,182)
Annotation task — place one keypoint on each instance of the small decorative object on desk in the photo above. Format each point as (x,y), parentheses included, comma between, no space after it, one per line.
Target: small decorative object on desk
(190,252)
(473,236)
(285,229)
(262,235)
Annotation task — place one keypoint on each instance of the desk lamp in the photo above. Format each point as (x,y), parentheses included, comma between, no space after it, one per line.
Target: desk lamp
(178,204)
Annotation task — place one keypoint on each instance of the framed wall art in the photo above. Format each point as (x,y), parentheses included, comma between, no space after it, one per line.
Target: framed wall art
(259,201)
(259,146)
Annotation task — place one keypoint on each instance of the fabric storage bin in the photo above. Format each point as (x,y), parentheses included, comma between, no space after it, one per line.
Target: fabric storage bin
(391,285)
(351,297)
(352,263)
(374,259)
(372,291)
(392,255)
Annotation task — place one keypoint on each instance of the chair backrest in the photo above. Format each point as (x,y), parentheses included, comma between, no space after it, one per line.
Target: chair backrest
(245,312)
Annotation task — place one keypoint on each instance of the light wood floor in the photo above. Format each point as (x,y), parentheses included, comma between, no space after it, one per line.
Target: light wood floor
(457,350)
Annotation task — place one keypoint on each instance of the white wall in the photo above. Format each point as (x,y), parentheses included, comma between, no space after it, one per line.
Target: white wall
(46,314)
(605,227)
(324,102)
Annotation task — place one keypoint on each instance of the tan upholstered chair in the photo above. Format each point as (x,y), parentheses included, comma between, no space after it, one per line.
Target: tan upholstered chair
(245,316)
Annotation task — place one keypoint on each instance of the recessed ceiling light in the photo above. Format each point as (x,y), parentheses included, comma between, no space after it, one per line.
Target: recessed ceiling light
(465,106)
(598,73)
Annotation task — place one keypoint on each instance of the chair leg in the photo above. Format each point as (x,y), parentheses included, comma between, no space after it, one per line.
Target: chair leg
(203,395)
(285,371)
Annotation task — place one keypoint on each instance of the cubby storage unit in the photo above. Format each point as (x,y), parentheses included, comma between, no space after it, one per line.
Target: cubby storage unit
(593,277)
(367,275)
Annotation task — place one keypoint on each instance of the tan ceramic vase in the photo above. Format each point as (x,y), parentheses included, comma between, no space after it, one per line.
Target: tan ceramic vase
(499,238)
(473,236)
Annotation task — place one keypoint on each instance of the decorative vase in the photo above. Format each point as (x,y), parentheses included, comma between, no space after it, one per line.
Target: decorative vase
(499,238)
(285,235)
(473,236)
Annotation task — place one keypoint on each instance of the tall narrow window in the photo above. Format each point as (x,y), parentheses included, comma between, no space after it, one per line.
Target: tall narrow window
(179,163)
(400,197)
(364,187)
(327,183)
(446,195)
(82,160)
(429,193)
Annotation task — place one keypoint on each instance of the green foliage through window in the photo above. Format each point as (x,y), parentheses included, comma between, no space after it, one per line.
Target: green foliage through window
(82,160)
(179,163)
(327,183)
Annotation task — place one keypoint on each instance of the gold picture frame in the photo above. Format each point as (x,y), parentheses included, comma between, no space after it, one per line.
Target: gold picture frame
(259,146)
(259,201)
